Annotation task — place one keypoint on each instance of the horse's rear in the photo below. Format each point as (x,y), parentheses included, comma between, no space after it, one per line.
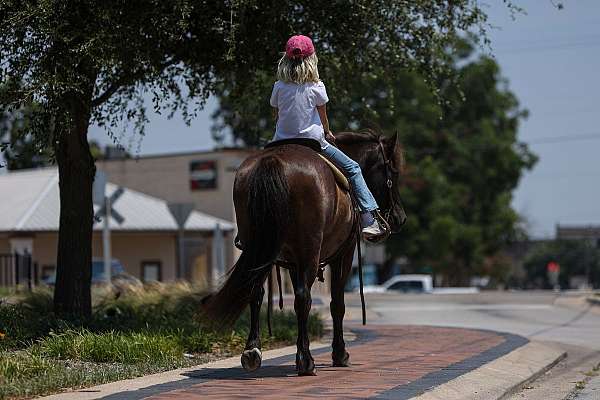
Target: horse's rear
(298,197)
(288,206)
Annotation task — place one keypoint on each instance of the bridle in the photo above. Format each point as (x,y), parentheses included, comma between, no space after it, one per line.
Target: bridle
(389,182)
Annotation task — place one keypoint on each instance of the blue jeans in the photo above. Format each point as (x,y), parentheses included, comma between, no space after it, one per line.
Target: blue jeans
(351,169)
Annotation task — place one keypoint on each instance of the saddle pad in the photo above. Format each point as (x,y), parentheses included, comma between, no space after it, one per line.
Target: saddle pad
(340,178)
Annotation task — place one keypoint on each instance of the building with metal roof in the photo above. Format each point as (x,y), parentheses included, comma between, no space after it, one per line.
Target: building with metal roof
(147,240)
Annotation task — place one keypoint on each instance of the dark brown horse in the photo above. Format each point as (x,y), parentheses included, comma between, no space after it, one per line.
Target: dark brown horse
(289,207)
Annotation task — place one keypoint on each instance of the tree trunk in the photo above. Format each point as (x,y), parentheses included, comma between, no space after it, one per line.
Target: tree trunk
(72,294)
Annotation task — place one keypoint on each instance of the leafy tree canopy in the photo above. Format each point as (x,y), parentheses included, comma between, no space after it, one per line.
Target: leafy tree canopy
(73,63)
(463,156)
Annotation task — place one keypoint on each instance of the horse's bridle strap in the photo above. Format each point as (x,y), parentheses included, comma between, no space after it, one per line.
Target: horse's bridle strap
(389,169)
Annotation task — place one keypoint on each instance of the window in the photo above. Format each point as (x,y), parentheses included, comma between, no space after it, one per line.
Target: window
(151,271)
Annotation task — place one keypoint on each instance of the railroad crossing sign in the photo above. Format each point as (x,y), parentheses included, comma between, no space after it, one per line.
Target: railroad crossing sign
(109,203)
(106,211)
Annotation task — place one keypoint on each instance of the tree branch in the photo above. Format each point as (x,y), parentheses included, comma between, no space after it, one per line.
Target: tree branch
(127,80)
(109,92)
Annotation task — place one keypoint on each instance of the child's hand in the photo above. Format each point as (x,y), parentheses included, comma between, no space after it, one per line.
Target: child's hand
(329,137)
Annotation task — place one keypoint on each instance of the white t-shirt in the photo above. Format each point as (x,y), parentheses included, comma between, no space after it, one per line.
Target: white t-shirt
(297,110)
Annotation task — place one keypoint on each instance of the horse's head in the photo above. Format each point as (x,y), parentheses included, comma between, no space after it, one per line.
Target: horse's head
(381,160)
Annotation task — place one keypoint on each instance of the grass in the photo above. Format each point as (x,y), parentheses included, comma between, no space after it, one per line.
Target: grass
(26,373)
(125,348)
(136,333)
(6,292)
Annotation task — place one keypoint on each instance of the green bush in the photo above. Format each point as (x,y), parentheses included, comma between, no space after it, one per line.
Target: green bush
(21,325)
(161,310)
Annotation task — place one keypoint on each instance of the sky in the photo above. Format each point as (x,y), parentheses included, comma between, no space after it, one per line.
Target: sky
(551,59)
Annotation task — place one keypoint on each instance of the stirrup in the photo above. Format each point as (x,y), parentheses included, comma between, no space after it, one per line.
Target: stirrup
(387,230)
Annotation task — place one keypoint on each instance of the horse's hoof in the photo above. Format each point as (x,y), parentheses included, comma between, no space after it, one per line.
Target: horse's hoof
(343,361)
(312,372)
(251,359)
(305,367)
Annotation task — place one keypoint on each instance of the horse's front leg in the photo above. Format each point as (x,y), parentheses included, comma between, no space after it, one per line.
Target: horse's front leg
(340,270)
(252,356)
(303,280)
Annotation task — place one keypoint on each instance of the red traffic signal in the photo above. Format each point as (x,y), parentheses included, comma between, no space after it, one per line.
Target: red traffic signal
(553,267)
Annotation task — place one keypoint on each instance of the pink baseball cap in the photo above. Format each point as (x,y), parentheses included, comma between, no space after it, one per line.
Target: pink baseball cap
(299,46)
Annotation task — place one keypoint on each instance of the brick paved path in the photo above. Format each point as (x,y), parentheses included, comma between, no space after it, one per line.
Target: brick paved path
(395,362)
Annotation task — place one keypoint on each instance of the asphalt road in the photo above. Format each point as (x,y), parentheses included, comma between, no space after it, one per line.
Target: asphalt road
(539,315)
(566,319)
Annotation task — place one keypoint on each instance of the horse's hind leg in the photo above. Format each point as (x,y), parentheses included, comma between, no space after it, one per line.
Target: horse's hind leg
(340,270)
(252,356)
(303,278)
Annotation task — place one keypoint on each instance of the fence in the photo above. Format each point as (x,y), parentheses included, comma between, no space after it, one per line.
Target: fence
(17,270)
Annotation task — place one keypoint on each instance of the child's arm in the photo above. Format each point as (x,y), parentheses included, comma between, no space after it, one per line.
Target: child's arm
(325,122)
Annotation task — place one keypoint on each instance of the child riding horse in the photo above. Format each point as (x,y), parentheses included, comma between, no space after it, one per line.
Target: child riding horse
(299,99)
(289,208)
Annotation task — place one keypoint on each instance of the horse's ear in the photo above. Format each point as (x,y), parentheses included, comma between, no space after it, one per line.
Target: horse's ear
(394,142)
(398,151)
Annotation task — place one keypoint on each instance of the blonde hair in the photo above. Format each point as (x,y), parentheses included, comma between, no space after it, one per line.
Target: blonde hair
(298,70)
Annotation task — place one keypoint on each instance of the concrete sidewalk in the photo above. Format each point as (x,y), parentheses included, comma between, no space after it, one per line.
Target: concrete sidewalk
(388,362)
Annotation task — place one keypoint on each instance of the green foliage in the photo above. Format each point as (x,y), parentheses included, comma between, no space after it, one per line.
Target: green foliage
(125,348)
(110,56)
(21,324)
(69,63)
(19,147)
(28,374)
(463,156)
(165,310)
(23,364)
(142,331)
(575,257)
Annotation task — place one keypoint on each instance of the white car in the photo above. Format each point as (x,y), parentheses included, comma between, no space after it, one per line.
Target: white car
(409,283)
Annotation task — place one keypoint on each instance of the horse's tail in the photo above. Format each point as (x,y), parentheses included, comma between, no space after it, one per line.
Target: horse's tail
(267,211)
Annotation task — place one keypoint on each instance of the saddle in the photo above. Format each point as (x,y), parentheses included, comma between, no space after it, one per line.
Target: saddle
(313,144)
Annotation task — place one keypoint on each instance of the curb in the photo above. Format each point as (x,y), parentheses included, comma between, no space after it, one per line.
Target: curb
(594,300)
(123,387)
(502,377)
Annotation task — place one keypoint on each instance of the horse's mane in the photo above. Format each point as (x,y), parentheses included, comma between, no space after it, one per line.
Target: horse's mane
(366,135)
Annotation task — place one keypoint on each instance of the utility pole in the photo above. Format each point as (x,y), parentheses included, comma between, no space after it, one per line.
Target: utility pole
(106,253)
(106,212)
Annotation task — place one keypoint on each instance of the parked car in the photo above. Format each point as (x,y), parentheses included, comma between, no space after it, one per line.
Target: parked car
(118,274)
(409,283)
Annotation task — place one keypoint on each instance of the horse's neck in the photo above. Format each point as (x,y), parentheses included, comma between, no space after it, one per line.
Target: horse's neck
(359,152)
